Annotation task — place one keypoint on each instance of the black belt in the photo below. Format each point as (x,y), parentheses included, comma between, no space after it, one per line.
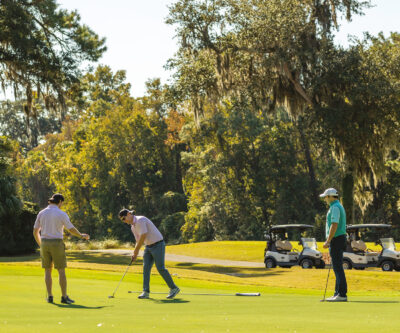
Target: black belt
(154,244)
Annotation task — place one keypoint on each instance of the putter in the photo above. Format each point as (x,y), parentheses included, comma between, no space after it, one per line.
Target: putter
(327,279)
(203,294)
(112,296)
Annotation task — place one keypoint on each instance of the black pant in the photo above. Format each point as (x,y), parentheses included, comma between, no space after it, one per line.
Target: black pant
(338,245)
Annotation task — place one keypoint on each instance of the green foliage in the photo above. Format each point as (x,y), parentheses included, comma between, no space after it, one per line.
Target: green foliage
(263,113)
(115,156)
(171,226)
(9,203)
(13,122)
(41,51)
(16,219)
(274,53)
(245,173)
(16,228)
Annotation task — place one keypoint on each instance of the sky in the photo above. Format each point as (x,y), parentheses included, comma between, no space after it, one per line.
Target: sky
(139,41)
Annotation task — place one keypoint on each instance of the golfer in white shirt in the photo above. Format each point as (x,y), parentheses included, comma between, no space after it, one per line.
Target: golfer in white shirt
(146,233)
(48,233)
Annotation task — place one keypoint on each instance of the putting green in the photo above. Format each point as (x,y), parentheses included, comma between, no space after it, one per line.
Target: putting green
(23,309)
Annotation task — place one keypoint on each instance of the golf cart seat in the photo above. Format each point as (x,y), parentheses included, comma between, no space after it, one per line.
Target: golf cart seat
(283,245)
(358,246)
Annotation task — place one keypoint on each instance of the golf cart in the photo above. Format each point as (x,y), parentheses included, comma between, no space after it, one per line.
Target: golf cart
(358,256)
(279,250)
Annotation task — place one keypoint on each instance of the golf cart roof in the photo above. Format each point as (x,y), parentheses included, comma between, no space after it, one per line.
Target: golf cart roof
(366,226)
(291,226)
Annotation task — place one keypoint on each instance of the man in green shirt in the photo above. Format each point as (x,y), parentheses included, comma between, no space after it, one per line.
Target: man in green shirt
(336,242)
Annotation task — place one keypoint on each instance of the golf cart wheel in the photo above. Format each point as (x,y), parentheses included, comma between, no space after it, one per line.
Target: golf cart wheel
(270,263)
(306,263)
(397,268)
(387,266)
(347,264)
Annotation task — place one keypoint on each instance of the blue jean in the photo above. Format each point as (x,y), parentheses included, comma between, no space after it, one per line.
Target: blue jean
(155,254)
(338,245)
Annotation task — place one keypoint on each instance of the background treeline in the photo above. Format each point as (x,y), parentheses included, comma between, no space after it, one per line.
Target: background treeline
(263,112)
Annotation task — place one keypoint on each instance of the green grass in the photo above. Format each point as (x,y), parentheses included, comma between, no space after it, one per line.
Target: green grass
(237,250)
(289,300)
(228,250)
(23,309)
(363,282)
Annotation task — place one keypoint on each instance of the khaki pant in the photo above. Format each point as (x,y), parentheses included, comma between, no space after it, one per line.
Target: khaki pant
(53,251)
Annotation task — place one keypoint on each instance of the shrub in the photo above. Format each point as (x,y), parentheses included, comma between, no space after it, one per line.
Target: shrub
(16,231)
(171,226)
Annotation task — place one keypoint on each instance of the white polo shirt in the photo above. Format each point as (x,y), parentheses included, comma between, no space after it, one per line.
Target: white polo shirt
(51,222)
(142,225)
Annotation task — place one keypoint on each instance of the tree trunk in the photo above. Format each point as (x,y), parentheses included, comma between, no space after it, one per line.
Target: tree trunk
(178,170)
(348,195)
(311,173)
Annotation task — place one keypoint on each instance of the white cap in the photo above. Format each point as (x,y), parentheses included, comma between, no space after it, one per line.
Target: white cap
(329,192)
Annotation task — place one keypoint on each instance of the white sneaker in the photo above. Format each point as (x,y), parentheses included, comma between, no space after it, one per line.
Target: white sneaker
(340,299)
(331,299)
(144,295)
(173,292)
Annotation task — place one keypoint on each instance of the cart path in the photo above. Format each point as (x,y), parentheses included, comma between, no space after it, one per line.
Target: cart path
(188,259)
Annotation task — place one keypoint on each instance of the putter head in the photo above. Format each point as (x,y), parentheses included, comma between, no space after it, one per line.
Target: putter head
(111,296)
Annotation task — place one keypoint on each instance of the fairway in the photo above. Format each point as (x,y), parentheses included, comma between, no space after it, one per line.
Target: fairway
(23,308)
(239,250)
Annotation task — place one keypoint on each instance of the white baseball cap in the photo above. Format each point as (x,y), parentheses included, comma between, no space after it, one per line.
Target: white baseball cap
(329,192)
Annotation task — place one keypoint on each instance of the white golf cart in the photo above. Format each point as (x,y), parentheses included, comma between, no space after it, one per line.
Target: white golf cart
(358,256)
(279,250)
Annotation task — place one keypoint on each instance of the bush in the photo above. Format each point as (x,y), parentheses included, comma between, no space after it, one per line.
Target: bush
(171,226)
(16,231)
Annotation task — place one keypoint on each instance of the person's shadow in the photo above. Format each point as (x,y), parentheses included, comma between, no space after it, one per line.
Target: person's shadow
(168,301)
(78,306)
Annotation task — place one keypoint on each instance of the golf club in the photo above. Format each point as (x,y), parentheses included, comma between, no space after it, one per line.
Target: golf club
(112,296)
(204,294)
(327,279)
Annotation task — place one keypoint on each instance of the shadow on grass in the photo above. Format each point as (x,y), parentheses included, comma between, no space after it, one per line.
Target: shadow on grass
(232,271)
(100,258)
(79,256)
(169,301)
(27,257)
(378,302)
(78,306)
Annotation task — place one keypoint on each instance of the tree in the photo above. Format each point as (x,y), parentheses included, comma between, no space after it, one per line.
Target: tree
(361,116)
(117,154)
(16,218)
(276,53)
(41,50)
(245,172)
(9,202)
(12,123)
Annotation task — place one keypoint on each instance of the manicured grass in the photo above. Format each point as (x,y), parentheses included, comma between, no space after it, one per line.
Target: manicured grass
(238,250)
(228,250)
(295,278)
(23,309)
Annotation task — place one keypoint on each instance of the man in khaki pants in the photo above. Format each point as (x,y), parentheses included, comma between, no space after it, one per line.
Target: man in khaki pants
(48,233)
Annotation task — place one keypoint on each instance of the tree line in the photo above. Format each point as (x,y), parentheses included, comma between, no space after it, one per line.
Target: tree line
(263,112)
